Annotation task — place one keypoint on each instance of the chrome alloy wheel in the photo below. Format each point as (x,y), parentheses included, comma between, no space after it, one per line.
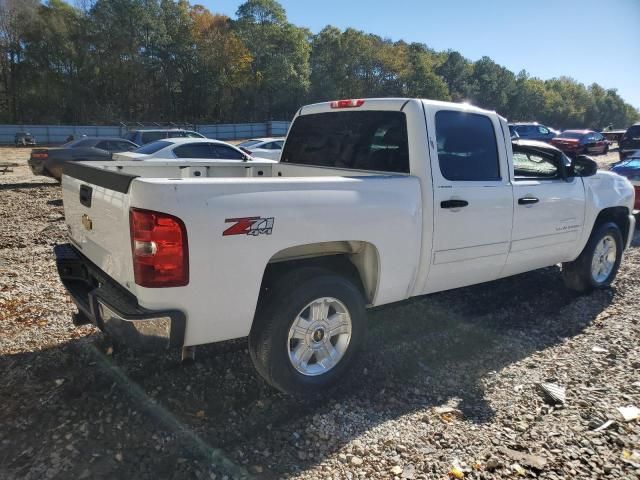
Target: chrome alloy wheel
(604,259)
(319,336)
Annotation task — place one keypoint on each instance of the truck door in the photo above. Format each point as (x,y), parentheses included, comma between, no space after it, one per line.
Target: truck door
(473,202)
(549,210)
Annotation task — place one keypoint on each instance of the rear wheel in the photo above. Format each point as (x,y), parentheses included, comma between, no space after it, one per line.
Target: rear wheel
(598,264)
(307,331)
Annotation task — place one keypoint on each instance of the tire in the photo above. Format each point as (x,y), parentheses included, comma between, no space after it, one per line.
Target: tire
(606,150)
(585,273)
(274,343)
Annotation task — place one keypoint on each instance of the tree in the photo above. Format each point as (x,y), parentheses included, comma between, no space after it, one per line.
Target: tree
(456,72)
(223,68)
(15,17)
(280,60)
(147,60)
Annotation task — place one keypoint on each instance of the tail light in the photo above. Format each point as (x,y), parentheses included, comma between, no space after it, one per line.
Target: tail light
(39,154)
(160,250)
(347,103)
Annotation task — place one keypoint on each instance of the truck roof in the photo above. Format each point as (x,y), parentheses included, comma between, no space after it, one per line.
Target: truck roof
(382,104)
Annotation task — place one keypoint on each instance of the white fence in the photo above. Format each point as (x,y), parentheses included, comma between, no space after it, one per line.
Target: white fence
(56,134)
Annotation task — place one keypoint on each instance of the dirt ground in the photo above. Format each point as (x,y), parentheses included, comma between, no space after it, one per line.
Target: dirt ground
(446,386)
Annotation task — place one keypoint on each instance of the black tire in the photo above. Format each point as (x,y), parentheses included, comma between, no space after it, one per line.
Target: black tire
(577,275)
(276,312)
(606,150)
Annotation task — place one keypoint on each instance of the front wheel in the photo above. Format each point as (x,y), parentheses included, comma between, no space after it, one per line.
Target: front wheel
(307,331)
(598,264)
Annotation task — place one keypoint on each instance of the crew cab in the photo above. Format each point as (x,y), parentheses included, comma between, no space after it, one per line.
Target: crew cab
(374,201)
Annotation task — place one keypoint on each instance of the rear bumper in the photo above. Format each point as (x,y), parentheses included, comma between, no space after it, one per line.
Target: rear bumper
(37,167)
(114,310)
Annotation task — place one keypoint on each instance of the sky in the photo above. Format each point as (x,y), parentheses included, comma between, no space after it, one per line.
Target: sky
(589,40)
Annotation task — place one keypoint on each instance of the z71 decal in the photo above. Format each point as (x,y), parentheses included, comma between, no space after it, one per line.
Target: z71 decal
(249,226)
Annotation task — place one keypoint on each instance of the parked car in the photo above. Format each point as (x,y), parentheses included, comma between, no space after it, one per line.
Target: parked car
(533,131)
(269,148)
(630,141)
(142,137)
(577,142)
(23,139)
(630,168)
(192,148)
(374,201)
(49,161)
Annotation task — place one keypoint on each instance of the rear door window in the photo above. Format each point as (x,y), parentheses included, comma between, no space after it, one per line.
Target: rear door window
(227,153)
(194,150)
(122,146)
(467,148)
(364,140)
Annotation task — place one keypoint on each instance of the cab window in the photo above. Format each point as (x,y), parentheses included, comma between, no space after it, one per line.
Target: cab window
(467,148)
(533,164)
(364,140)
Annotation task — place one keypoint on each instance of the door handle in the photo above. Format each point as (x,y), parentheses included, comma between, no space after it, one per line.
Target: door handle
(453,203)
(86,193)
(528,200)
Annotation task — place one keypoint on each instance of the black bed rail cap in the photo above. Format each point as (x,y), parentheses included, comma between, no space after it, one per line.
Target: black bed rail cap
(111,180)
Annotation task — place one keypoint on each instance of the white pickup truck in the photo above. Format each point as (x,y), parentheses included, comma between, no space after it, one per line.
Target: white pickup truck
(374,201)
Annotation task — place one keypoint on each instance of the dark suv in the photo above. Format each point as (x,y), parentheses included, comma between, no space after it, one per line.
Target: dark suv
(630,141)
(532,131)
(141,137)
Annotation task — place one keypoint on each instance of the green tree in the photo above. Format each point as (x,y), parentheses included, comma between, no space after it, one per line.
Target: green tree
(280,60)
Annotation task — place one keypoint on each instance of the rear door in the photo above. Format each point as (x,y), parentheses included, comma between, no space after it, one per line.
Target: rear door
(548,210)
(473,203)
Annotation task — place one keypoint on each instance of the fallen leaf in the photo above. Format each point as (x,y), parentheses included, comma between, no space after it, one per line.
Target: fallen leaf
(455,472)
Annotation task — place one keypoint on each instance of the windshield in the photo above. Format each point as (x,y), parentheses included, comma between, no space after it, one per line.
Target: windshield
(575,135)
(152,147)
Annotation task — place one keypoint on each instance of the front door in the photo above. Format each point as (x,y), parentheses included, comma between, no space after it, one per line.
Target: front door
(548,210)
(473,203)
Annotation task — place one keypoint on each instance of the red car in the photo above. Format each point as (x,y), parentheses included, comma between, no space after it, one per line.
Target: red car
(581,142)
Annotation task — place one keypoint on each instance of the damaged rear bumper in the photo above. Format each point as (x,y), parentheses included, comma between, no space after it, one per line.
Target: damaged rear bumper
(106,304)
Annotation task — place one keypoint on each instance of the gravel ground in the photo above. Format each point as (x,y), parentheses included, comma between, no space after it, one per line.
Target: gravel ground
(445,388)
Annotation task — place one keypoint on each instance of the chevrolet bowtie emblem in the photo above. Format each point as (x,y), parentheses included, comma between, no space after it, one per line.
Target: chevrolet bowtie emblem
(86,221)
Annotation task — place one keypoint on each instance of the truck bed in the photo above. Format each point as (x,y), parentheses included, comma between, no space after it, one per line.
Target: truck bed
(304,205)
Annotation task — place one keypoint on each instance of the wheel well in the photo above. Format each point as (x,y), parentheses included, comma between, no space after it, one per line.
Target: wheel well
(357,261)
(617,215)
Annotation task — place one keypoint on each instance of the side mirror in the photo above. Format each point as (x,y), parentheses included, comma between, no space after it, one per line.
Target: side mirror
(583,166)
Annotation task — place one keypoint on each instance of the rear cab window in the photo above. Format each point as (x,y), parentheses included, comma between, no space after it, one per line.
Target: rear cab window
(363,140)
